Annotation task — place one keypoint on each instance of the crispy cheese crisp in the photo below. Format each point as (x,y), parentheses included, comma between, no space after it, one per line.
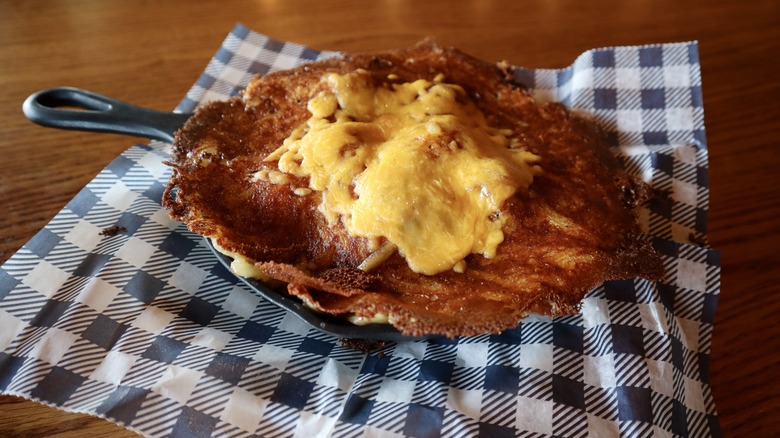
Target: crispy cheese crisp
(422,188)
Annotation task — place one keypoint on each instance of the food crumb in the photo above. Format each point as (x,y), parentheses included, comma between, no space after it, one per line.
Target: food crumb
(113,231)
(364,345)
(697,239)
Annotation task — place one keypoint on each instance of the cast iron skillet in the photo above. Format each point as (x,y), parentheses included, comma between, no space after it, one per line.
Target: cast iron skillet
(81,110)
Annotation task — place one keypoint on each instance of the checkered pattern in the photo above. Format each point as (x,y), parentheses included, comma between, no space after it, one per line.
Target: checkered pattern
(147,329)
(650,99)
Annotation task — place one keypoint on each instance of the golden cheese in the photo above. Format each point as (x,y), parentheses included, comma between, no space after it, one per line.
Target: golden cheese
(415,163)
(242,266)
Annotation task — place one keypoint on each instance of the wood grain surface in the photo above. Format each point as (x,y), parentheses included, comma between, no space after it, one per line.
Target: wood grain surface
(150,53)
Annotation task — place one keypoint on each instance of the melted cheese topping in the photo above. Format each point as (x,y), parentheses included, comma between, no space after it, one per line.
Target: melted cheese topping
(415,163)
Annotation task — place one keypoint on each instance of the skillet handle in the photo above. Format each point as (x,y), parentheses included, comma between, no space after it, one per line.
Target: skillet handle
(81,110)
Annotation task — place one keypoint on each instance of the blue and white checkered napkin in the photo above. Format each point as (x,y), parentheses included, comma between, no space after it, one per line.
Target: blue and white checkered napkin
(146,329)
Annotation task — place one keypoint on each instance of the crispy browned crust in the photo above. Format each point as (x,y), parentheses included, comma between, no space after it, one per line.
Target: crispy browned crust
(540,267)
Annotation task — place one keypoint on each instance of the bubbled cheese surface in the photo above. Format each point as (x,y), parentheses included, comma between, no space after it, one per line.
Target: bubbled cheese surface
(414,163)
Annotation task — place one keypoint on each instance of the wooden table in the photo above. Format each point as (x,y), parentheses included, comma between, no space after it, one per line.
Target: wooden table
(150,53)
